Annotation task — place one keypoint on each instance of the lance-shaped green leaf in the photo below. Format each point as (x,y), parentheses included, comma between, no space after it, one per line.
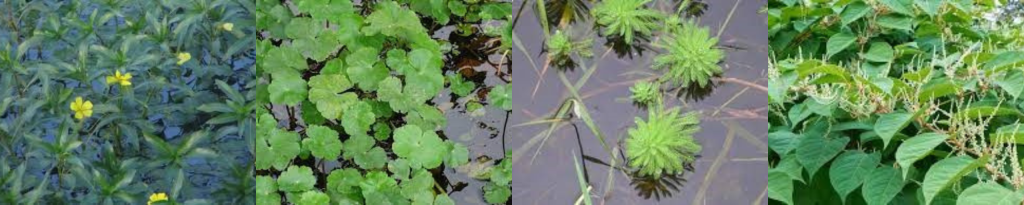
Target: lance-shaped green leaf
(989,193)
(916,148)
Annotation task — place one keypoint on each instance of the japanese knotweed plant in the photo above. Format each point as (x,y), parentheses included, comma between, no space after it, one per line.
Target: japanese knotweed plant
(909,102)
(354,85)
(663,144)
(96,107)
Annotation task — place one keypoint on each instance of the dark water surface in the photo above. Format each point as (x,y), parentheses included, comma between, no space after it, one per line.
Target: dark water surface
(732,164)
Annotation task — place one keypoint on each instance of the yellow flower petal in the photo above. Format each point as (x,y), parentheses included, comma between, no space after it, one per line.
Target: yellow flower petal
(79,115)
(156,197)
(87,106)
(126,83)
(111,80)
(127,76)
(87,113)
(228,26)
(184,57)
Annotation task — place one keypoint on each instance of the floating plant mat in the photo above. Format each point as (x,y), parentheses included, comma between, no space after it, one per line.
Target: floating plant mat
(383,102)
(730,168)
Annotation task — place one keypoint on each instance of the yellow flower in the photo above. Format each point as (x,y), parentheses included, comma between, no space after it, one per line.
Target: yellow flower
(156,197)
(227,26)
(184,57)
(124,80)
(82,109)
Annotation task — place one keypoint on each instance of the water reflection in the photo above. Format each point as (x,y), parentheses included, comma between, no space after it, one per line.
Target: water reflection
(568,11)
(694,92)
(658,187)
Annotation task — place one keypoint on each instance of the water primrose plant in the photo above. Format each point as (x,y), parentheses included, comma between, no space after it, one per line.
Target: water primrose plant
(350,112)
(894,102)
(101,102)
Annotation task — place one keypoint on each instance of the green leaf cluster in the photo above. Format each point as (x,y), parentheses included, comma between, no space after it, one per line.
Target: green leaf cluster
(149,122)
(892,102)
(364,76)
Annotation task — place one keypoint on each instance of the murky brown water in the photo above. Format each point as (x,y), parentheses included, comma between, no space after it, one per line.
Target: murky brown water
(732,165)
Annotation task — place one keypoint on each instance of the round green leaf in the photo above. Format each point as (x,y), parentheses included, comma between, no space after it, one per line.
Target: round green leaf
(296,179)
(364,69)
(313,197)
(323,142)
(287,88)
(422,148)
(278,150)
(495,194)
(499,97)
(358,118)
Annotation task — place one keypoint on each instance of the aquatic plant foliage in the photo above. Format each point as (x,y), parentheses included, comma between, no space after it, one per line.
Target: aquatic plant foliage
(645,92)
(663,143)
(561,48)
(363,75)
(627,18)
(691,55)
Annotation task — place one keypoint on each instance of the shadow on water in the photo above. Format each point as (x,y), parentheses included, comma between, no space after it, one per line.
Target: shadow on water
(733,107)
